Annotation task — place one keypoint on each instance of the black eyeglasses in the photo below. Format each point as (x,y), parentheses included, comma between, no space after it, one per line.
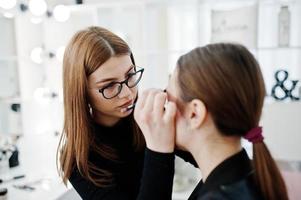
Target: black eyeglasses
(113,89)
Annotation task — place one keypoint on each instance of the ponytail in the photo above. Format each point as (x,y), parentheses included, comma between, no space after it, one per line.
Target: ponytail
(267,174)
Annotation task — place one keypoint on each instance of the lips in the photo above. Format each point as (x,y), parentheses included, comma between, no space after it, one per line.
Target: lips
(126,104)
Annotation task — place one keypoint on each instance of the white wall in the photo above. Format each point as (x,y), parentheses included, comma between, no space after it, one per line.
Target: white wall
(282,129)
(158,33)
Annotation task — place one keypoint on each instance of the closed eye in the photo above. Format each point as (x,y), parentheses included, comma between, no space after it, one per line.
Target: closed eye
(131,73)
(110,84)
(128,74)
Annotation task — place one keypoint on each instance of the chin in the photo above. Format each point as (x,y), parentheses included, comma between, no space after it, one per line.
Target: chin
(125,114)
(180,144)
(180,147)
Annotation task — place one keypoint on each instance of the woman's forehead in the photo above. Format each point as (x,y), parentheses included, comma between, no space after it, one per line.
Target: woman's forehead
(113,68)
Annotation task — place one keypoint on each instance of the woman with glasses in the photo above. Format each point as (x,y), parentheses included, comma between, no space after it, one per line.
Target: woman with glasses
(219,93)
(102,151)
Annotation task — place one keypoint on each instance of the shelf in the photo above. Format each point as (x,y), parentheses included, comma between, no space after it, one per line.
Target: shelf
(270,100)
(277,48)
(8,58)
(14,99)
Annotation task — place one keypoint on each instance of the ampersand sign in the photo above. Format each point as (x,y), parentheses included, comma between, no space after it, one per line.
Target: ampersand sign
(280,84)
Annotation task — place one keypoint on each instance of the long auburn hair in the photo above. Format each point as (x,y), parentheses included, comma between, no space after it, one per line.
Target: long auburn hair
(87,50)
(228,79)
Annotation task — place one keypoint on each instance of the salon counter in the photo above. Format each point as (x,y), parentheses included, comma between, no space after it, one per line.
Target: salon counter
(37,163)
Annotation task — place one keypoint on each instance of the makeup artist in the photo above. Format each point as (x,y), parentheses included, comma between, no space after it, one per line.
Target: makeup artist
(102,151)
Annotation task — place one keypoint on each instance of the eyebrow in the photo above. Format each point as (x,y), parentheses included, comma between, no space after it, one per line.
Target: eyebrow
(114,79)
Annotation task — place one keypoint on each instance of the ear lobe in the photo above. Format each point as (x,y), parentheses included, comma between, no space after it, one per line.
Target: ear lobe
(198,113)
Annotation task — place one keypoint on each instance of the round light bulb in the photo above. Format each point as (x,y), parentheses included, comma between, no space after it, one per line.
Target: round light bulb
(7,4)
(61,13)
(37,7)
(8,15)
(36,55)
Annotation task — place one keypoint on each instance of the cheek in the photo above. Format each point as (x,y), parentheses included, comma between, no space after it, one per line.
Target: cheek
(98,102)
(181,128)
(134,92)
(183,134)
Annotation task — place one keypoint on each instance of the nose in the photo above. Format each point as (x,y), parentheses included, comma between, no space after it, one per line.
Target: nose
(125,91)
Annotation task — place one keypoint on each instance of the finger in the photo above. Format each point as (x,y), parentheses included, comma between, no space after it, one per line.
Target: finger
(159,102)
(170,111)
(149,102)
(141,99)
(140,104)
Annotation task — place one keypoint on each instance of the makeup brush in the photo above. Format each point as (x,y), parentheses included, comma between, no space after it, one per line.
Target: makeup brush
(130,107)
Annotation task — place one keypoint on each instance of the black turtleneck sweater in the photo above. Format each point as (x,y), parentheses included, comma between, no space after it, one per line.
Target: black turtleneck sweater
(231,179)
(137,175)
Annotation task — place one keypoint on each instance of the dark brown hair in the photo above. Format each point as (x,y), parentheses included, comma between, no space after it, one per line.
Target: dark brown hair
(87,50)
(228,79)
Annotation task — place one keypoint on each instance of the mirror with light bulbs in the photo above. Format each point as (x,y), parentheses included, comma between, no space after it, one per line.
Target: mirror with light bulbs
(31,64)
(38,10)
(10,118)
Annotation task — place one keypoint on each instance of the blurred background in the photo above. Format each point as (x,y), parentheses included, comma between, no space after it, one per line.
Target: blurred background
(33,36)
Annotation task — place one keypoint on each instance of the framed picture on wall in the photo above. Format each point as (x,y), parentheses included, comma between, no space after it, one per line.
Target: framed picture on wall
(235,25)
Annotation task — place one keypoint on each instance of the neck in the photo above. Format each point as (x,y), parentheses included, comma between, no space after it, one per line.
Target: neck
(210,154)
(108,121)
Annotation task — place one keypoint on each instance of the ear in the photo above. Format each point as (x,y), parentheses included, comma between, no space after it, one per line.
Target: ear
(197,113)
